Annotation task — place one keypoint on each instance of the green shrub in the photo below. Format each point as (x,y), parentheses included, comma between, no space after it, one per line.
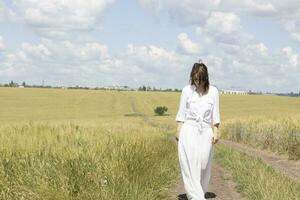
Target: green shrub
(160,110)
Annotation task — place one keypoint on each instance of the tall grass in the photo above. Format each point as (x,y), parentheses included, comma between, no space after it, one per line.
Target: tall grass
(254,179)
(278,134)
(118,160)
(86,144)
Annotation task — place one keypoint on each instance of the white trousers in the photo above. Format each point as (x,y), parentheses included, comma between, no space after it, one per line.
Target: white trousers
(195,151)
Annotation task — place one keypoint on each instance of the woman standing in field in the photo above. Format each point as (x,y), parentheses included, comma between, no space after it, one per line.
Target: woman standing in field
(198,120)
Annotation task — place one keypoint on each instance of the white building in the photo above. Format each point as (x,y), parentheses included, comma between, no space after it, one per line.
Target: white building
(240,92)
(116,87)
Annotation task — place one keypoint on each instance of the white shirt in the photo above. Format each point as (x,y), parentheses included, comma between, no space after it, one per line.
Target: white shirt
(194,106)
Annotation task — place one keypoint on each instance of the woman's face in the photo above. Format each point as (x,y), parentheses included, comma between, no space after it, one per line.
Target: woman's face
(198,82)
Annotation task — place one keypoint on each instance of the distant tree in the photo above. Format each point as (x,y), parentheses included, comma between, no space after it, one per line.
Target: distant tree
(24,84)
(13,84)
(160,110)
(143,88)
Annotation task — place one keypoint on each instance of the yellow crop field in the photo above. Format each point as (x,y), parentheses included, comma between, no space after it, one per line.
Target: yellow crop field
(93,144)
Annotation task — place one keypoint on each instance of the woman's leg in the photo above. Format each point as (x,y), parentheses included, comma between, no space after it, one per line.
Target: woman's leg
(190,158)
(207,159)
(206,173)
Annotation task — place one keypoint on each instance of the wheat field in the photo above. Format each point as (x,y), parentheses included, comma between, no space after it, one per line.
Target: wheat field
(93,144)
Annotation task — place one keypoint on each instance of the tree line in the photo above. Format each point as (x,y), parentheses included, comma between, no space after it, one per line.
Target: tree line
(141,88)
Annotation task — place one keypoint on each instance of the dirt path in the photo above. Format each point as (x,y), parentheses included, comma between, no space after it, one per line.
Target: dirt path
(221,186)
(280,163)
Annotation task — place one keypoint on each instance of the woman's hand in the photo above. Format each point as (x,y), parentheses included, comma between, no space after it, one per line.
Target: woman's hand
(216,134)
(179,124)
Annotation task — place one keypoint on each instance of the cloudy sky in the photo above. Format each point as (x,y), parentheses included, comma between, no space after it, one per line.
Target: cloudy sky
(247,45)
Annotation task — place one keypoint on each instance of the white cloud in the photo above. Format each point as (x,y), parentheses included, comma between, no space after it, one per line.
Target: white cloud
(249,7)
(234,57)
(2,45)
(6,14)
(61,62)
(238,61)
(192,12)
(255,50)
(186,45)
(252,66)
(189,12)
(225,23)
(224,29)
(56,18)
(293,58)
(293,27)
(155,60)
(152,5)
(183,11)
(67,62)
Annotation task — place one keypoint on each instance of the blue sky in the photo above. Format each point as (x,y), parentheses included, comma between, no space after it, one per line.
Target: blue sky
(246,45)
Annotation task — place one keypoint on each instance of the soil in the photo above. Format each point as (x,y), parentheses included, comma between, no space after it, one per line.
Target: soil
(221,187)
(280,163)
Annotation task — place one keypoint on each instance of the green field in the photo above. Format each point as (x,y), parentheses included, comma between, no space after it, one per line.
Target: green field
(93,144)
(23,105)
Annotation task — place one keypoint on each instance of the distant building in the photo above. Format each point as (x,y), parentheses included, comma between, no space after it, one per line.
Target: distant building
(240,92)
(116,87)
(21,86)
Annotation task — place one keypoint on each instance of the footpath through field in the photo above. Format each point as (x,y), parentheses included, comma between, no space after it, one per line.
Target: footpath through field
(221,187)
(290,168)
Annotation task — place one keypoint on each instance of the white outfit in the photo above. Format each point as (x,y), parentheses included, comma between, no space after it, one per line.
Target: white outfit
(195,148)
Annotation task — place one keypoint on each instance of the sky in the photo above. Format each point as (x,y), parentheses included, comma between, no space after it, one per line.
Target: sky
(246,45)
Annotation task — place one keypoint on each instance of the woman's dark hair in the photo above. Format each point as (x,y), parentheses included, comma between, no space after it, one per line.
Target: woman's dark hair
(199,74)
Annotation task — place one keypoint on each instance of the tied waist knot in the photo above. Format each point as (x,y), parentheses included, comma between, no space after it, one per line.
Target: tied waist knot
(198,122)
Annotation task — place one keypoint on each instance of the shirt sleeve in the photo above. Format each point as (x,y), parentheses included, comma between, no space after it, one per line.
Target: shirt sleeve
(182,107)
(216,109)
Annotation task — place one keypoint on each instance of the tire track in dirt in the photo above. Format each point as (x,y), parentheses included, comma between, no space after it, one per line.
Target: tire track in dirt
(280,163)
(221,185)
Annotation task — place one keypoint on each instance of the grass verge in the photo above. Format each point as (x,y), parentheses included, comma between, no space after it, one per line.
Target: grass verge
(255,180)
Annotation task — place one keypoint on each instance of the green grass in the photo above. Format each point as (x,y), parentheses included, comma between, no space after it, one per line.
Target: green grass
(277,134)
(23,105)
(90,144)
(41,161)
(254,179)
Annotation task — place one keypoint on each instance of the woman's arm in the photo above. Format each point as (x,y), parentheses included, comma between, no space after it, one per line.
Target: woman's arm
(179,124)
(180,116)
(216,133)
(216,119)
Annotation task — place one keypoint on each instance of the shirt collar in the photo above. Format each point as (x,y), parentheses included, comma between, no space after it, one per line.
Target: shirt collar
(193,87)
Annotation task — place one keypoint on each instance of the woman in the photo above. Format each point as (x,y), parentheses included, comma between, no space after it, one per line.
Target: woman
(198,112)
